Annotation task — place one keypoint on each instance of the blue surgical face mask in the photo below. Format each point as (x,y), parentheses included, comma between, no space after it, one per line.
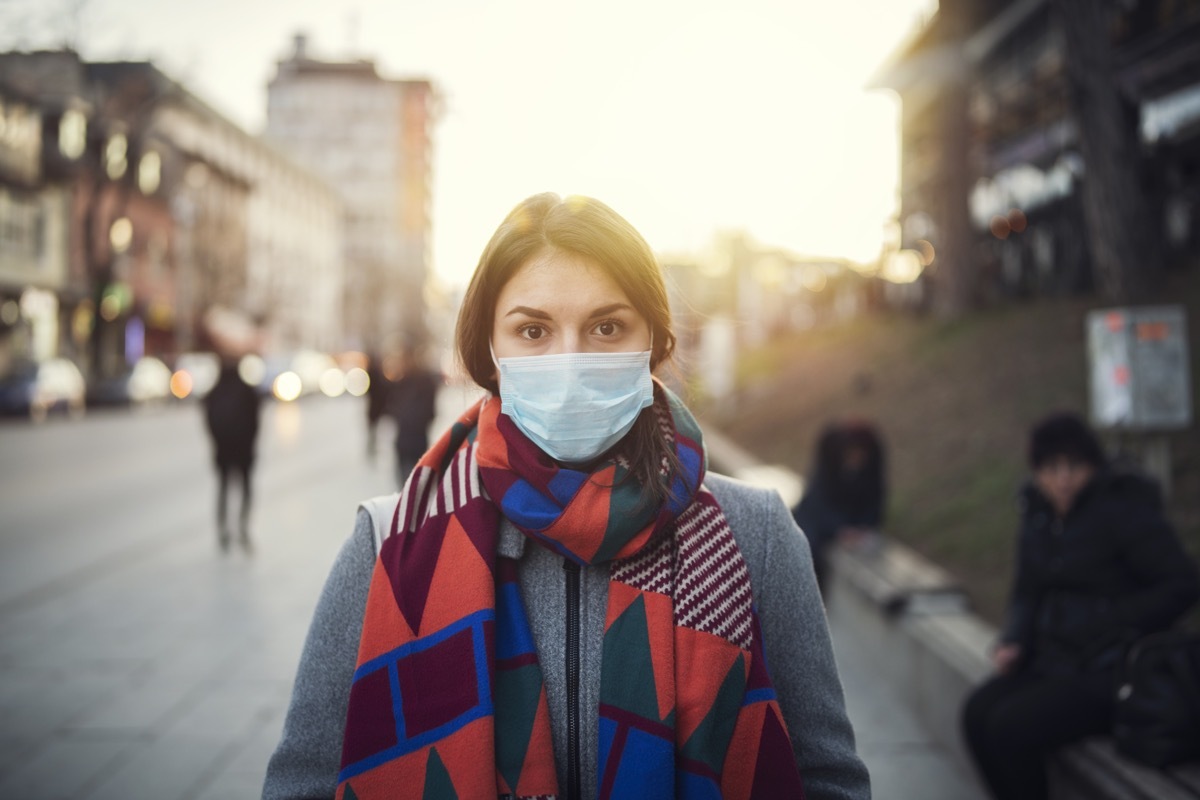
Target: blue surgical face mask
(575,406)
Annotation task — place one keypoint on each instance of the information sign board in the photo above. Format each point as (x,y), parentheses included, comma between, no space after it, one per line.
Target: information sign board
(1138,360)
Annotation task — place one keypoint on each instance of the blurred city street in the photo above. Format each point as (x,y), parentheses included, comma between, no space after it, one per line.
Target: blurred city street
(905,762)
(137,660)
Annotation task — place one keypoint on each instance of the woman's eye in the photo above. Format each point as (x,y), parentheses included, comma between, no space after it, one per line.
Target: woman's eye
(607,328)
(531,332)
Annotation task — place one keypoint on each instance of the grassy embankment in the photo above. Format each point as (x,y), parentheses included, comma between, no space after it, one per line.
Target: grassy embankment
(954,401)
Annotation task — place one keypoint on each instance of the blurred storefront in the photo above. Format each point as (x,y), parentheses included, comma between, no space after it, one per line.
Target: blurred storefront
(987,126)
(34,286)
(128,207)
(738,294)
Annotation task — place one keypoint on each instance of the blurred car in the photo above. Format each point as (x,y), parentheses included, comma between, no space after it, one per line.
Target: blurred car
(195,374)
(263,372)
(36,388)
(144,382)
(349,359)
(292,376)
(311,366)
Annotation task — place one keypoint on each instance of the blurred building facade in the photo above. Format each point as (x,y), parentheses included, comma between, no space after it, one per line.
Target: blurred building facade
(740,294)
(371,137)
(140,208)
(991,162)
(40,285)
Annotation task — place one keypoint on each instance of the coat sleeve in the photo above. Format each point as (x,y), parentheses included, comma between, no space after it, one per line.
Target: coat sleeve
(1022,601)
(306,761)
(1158,563)
(800,656)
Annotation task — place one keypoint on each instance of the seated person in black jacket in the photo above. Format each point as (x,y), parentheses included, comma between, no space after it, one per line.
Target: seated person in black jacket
(1098,565)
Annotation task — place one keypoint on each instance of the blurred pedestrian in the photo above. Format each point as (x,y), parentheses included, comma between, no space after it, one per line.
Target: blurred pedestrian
(845,495)
(378,388)
(412,403)
(231,410)
(562,602)
(1098,565)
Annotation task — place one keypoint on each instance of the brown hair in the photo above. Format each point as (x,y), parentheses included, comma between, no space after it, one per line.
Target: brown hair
(586,227)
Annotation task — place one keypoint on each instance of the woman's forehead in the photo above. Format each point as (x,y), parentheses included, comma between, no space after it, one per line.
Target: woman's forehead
(559,279)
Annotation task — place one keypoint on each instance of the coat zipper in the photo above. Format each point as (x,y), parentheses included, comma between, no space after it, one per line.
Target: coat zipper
(573,790)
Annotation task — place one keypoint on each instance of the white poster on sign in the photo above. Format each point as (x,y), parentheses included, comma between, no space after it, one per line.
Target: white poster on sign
(1139,368)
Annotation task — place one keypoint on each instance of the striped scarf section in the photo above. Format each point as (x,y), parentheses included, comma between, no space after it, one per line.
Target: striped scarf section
(448,700)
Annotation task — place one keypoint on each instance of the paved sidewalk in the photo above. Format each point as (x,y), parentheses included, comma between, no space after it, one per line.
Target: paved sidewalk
(904,761)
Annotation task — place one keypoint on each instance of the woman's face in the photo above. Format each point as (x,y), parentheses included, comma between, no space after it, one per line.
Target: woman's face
(1060,479)
(560,302)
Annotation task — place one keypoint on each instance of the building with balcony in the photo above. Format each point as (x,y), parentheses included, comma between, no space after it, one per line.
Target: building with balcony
(42,290)
(991,163)
(171,210)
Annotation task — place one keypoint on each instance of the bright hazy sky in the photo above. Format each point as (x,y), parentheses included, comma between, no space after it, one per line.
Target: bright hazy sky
(687,117)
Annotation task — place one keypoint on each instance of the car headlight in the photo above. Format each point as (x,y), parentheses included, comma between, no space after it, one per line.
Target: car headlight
(287,386)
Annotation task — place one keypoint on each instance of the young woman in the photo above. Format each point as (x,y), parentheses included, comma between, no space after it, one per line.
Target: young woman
(1098,565)
(563,604)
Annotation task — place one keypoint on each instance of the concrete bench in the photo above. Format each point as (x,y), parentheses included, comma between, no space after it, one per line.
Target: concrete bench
(1092,770)
(919,622)
(897,580)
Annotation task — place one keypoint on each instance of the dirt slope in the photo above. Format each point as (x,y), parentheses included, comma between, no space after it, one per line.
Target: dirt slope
(954,401)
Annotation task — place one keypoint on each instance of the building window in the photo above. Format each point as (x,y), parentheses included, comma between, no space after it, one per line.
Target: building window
(149,172)
(120,234)
(72,133)
(115,156)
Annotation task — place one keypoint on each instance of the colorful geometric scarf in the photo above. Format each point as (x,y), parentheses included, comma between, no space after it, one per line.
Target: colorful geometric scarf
(447,699)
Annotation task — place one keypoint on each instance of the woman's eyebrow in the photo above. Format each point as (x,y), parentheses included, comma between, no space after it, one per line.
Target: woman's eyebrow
(609,309)
(536,313)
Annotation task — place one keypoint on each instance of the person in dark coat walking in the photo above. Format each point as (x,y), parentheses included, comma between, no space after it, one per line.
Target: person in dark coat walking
(231,411)
(412,403)
(379,386)
(1098,566)
(845,494)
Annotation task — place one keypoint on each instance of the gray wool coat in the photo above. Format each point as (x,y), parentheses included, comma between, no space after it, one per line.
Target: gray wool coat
(799,655)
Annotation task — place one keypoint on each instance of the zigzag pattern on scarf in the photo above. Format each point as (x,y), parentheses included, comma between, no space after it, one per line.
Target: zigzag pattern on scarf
(700,566)
(712,591)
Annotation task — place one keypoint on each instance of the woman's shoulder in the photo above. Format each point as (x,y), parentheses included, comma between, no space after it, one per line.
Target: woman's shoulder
(378,511)
(775,552)
(756,514)
(739,497)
